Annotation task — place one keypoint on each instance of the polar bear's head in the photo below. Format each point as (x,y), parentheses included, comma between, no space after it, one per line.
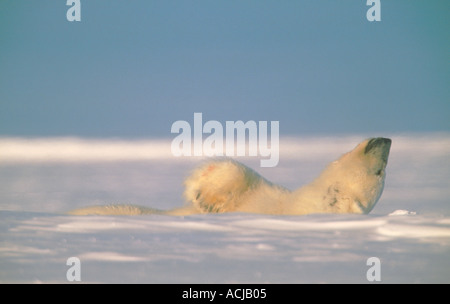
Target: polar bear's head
(355,181)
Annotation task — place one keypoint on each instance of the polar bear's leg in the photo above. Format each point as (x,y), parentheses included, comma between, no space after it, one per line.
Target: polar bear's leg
(219,186)
(114,210)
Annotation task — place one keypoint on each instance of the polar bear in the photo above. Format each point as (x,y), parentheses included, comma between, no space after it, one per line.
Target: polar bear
(351,184)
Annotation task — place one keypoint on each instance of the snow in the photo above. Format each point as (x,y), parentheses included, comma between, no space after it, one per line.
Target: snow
(402,212)
(408,230)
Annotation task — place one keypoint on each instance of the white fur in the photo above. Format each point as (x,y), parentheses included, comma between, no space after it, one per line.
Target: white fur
(351,184)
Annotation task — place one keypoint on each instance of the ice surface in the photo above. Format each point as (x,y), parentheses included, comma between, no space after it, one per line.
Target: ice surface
(409,228)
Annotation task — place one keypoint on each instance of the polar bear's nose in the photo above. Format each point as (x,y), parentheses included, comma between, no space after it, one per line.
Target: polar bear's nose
(380,142)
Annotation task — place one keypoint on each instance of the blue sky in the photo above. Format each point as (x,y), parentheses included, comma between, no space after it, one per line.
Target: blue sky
(131,68)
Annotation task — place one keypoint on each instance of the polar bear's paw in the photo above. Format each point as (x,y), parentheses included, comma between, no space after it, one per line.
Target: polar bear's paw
(219,186)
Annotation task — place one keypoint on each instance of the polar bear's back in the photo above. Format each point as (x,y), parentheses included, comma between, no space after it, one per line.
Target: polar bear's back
(226,185)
